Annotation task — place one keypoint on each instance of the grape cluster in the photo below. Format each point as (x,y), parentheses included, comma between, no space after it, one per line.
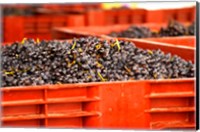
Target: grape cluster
(12,11)
(133,32)
(173,28)
(86,60)
(191,29)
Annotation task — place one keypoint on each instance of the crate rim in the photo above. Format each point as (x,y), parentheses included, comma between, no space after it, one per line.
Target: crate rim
(90,84)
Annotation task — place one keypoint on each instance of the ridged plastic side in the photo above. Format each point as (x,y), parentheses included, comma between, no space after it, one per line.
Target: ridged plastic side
(45,106)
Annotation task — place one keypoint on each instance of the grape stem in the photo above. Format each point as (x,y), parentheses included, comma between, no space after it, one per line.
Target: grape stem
(74,44)
(23,40)
(102,79)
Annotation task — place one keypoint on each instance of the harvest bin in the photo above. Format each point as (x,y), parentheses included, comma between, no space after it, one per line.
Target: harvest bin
(133,104)
(102,31)
(70,32)
(147,104)
(182,40)
(37,26)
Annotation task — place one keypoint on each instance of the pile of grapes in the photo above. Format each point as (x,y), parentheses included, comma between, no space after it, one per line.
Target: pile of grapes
(86,60)
(133,32)
(173,28)
(191,29)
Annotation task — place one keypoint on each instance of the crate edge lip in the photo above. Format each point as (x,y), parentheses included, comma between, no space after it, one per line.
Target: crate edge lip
(92,84)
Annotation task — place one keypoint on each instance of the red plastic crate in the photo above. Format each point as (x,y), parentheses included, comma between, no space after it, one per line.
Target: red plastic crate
(160,104)
(43,24)
(59,20)
(51,6)
(159,14)
(111,17)
(169,14)
(91,17)
(102,31)
(185,14)
(37,26)
(193,14)
(70,32)
(184,41)
(92,6)
(13,25)
(124,16)
(138,16)
(76,7)
(30,23)
(75,20)
(147,104)
(187,53)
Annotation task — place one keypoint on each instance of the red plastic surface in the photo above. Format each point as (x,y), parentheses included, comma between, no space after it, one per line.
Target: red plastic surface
(181,15)
(184,41)
(111,17)
(139,16)
(37,26)
(193,14)
(48,105)
(150,16)
(9,24)
(185,14)
(124,16)
(91,18)
(129,105)
(75,20)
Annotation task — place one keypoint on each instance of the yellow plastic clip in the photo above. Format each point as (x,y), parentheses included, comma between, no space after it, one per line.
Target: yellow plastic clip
(102,79)
(23,40)
(74,45)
